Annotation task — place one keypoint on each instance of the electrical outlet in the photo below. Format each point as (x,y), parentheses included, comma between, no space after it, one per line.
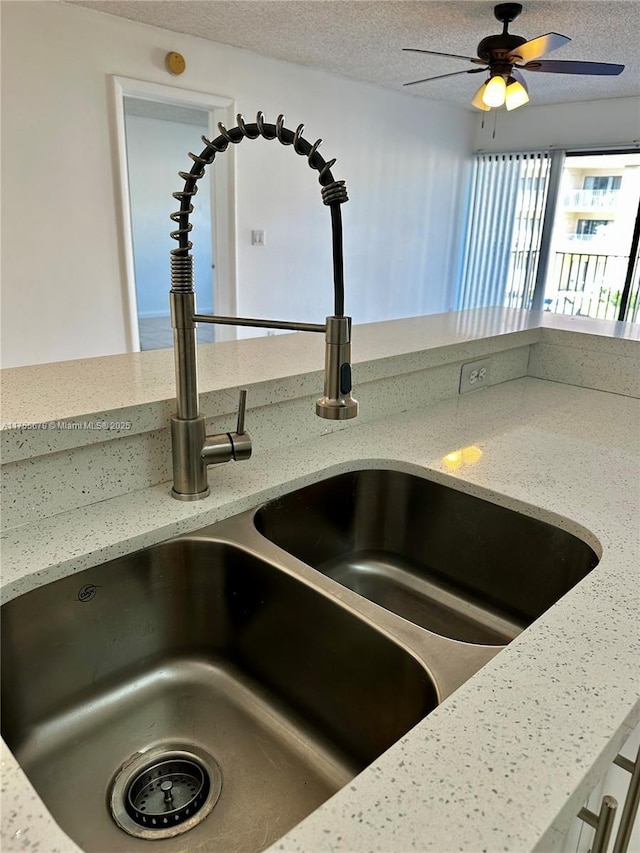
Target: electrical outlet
(474,375)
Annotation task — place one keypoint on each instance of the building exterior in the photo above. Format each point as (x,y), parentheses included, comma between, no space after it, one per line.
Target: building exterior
(592,236)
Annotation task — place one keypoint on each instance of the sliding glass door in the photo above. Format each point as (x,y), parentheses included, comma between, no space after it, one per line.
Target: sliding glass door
(554,232)
(592,244)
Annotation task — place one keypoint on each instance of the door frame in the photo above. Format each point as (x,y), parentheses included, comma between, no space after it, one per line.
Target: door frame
(223,196)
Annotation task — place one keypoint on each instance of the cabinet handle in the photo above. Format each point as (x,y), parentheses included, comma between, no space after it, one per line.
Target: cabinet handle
(602,823)
(631,801)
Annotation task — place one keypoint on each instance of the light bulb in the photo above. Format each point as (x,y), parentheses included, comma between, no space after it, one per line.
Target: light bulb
(516,95)
(477,101)
(494,94)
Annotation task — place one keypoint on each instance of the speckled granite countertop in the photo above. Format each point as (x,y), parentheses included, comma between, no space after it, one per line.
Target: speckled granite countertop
(505,762)
(115,384)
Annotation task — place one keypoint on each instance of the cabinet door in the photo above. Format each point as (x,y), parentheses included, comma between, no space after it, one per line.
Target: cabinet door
(617,784)
(579,837)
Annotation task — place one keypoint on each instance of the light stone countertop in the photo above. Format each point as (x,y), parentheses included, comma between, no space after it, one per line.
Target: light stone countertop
(49,392)
(505,762)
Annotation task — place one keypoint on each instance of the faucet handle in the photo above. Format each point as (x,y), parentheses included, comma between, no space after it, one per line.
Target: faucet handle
(229,445)
(240,439)
(242,408)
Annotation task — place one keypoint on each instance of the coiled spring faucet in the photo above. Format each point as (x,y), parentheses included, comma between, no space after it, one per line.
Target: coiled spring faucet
(192,449)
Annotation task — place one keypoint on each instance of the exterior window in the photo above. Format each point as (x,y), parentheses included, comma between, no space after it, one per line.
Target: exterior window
(591,227)
(554,232)
(592,238)
(602,182)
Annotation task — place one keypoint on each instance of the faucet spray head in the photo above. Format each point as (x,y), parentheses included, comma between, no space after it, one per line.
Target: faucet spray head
(337,404)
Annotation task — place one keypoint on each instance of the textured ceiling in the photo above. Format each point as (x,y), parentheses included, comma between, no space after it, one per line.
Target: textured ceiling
(364,40)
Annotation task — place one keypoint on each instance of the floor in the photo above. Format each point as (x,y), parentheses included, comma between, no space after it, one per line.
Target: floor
(156,333)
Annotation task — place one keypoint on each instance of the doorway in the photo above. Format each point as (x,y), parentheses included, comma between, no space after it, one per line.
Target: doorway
(158,126)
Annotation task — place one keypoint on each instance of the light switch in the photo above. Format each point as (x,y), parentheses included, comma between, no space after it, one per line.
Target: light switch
(258,238)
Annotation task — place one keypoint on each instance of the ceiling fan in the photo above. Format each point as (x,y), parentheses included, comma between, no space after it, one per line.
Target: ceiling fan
(504,55)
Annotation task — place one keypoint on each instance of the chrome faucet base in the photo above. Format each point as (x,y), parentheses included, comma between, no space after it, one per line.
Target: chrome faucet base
(188,436)
(196,497)
(194,450)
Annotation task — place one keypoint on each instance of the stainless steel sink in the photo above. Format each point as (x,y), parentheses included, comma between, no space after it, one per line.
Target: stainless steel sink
(197,677)
(445,560)
(212,691)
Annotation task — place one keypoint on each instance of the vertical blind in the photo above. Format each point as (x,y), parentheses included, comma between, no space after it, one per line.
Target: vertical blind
(504,226)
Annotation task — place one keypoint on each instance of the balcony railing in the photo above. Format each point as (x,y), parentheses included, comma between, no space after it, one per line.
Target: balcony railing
(583,238)
(578,284)
(591,199)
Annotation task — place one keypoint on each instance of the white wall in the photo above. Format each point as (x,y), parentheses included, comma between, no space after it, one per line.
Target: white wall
(584,123)
(403,158)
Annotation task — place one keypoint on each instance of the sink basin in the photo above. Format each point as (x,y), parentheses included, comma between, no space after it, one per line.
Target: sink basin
(458,565)
(196,677)
(212,691)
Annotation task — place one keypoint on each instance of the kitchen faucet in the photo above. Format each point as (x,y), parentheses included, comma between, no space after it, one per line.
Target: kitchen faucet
(192,449)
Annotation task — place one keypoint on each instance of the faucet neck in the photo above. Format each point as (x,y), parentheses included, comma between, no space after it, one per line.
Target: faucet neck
(334,193)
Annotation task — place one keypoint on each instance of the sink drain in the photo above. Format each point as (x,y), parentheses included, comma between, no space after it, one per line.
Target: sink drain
(165,792)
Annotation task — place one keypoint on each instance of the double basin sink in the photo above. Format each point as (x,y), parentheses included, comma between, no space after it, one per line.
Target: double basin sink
(210,692)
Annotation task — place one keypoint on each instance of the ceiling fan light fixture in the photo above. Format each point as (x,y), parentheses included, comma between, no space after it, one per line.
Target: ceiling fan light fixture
(516,95)
(477,101)
(495,91)
(505,54)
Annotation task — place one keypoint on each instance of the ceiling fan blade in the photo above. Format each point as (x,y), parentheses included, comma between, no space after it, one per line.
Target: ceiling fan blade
(538,47)
(440,76)
(438,53)
(555,66)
